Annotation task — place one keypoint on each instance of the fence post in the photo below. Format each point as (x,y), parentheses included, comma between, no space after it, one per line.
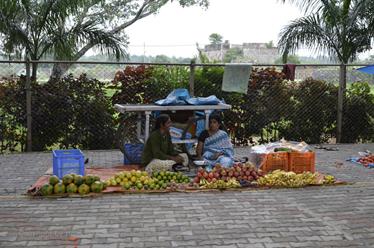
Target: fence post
(28,107)
(192,78)
(341,92)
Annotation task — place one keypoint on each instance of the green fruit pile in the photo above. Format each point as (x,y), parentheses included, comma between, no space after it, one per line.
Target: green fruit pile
(279,178)
(168,177)
(72,184)
(135,180)
(140,180)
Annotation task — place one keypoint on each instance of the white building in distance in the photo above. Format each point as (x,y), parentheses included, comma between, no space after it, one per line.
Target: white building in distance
(259,53)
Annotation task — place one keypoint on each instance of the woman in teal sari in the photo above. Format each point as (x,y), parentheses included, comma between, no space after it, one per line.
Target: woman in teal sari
(214,145)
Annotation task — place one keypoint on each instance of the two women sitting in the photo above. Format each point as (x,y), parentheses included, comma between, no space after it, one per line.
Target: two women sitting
(214,147)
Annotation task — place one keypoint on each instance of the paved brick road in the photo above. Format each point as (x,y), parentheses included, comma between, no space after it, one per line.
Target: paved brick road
(339,216)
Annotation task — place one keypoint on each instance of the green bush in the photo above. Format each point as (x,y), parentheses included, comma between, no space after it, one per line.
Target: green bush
(66,113)
(358,114)
(12,116)
(313,117)
(78,112)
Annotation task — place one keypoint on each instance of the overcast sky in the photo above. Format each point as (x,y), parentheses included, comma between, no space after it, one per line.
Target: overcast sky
(174,31)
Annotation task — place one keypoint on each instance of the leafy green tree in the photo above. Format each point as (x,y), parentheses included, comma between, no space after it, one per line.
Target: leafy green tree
(270,44)
(233,54)
(69,28)
(162,59)
(292,59)
(215,38)
(341,28)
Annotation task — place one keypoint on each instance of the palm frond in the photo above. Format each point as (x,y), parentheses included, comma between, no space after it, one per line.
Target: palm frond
(307,6)
(308,32)
(341,28)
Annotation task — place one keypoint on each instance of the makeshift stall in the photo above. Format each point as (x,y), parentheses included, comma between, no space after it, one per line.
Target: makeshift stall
(147,109)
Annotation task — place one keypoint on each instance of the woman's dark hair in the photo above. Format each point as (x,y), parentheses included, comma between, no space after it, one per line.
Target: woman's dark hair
(161,119)
(217,118)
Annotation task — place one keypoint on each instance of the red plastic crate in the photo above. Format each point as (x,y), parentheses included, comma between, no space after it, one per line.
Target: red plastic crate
(274,161)
(301,161)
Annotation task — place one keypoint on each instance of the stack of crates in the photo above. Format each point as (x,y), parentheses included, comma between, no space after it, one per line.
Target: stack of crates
(68,162)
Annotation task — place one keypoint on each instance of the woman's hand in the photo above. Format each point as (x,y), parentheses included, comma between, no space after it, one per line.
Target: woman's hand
(178,159)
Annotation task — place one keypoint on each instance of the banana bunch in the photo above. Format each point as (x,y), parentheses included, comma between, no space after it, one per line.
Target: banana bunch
(219,184)
(233,183)
(308,177)
(279,178)
(328,179)
(203,182)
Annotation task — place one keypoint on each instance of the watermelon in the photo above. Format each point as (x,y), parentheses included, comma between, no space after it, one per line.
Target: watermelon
(46,189)
(53,180)
(97,187)
(105,185)
(71,188)
(89,180)
(78,180)
(67,179)
(84,189)
(59,188)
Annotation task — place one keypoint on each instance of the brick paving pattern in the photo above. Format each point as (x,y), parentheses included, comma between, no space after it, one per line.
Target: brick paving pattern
(336,216)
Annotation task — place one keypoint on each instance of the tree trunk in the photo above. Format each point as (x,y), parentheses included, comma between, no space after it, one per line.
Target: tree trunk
(59,69)
(34,71)
(341,93)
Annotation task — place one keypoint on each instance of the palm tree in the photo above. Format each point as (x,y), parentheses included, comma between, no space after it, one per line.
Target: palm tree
(34,29)
(67,29)
(340,28)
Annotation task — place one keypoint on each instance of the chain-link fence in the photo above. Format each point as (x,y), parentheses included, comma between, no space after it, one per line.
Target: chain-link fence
(77,110)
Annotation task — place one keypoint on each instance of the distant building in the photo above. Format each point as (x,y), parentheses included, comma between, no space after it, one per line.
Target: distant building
(260,53)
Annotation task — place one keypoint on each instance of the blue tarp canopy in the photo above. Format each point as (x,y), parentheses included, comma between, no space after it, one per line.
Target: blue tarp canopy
(367,69)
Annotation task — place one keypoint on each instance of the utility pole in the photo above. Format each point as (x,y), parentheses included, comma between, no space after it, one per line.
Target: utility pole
(143,52)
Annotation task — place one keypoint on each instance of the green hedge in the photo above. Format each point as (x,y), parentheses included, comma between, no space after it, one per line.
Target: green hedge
(78,112)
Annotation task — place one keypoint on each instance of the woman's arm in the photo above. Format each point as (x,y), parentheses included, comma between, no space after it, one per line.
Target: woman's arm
(199,149)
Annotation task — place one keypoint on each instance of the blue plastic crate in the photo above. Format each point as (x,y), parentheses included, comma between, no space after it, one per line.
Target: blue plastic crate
(133,153)
(68,162)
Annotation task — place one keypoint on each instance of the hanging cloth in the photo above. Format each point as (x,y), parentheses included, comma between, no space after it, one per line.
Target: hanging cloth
(236,78)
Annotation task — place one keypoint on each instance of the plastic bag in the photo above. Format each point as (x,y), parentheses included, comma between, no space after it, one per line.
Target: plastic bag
(276,146)
(176,97)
